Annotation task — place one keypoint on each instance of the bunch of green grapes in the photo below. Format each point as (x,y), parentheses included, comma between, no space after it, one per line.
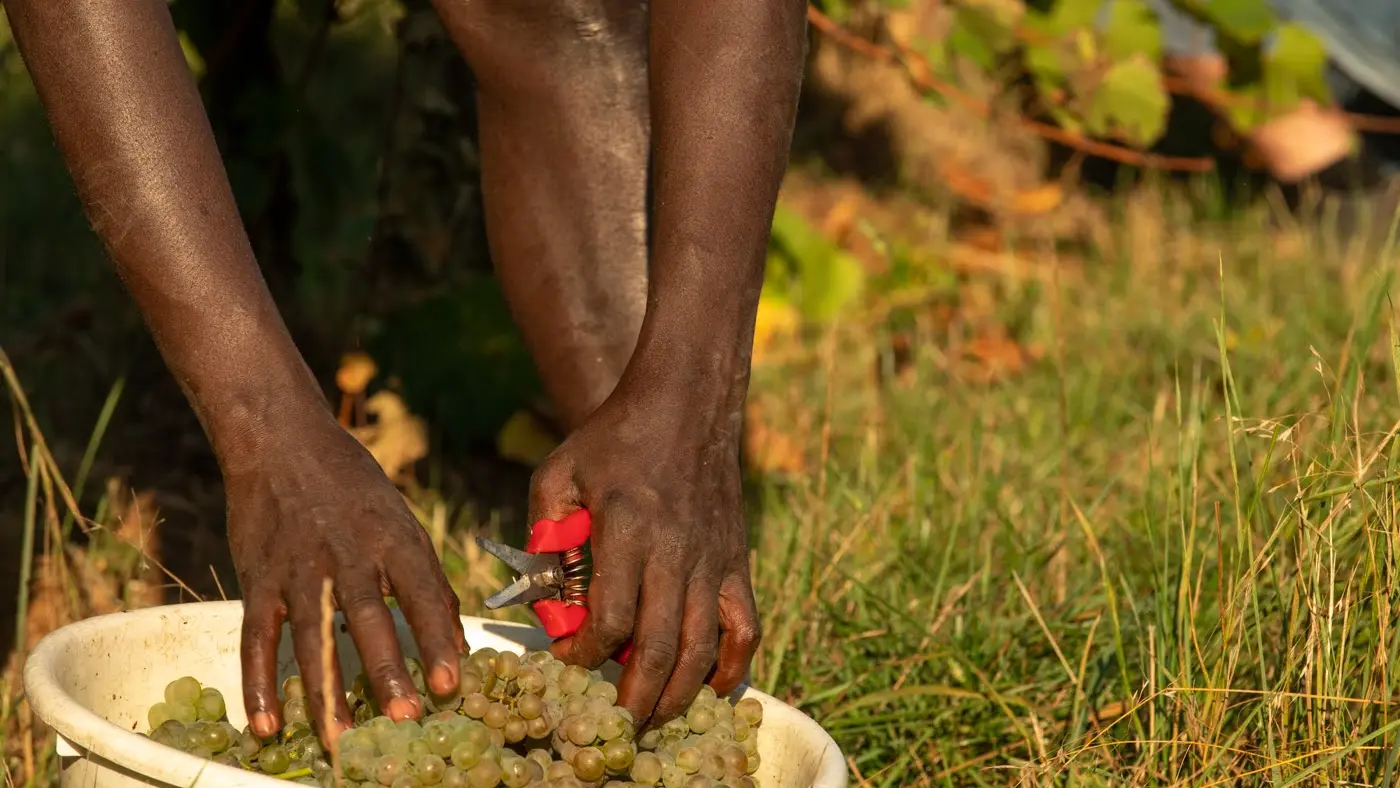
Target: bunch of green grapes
(515,721)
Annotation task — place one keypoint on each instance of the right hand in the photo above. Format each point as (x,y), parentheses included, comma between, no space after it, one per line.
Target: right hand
(309,502)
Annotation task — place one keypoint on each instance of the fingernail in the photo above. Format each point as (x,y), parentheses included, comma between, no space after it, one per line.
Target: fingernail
(402,709)
(262,724)
(442,679)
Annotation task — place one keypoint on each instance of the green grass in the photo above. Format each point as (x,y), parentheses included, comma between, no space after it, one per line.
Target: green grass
(1164,553)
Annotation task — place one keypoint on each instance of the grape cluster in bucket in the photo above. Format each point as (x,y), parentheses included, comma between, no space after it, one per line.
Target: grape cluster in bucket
(516,721)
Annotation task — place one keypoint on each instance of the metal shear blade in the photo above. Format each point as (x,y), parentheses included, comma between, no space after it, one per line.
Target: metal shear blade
(539,575)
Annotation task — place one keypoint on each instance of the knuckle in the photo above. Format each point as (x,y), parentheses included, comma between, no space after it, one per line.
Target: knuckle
(655,657)
(700,649)
(749,635)
(613,624)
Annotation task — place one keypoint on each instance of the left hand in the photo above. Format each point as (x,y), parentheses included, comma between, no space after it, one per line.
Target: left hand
(657,466)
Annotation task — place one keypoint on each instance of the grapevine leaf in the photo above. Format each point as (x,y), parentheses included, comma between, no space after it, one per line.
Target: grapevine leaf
(1294,65)
(1130,102)
(1047,62)
(1129,28)
(828,278)
(1245,21)
(1070,15)
(992,21)
(1243,107)
(966,44)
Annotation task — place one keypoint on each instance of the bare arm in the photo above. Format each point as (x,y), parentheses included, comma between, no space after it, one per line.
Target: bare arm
(132,129)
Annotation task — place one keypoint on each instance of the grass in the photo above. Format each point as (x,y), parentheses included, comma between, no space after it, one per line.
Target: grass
(1162,552)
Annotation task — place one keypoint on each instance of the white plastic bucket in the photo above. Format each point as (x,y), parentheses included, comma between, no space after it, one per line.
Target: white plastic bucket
(93,682)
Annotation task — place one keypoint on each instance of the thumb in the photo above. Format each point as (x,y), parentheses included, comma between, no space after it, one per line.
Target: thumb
(553,493)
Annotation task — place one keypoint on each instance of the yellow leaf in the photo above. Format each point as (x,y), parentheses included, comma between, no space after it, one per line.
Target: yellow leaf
(397,439)
(1037,200)
(355,373)
(776,318)
(525,440)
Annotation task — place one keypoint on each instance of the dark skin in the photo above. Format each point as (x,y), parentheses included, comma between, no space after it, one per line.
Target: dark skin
(644,347)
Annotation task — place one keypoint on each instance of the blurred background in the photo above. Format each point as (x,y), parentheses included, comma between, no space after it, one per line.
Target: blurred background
(1050,298)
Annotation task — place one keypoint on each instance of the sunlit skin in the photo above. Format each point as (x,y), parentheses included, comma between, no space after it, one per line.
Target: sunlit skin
(648,362)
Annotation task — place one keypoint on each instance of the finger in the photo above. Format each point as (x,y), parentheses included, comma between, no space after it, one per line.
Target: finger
(306,614)
(553,494)
(372,628)
(699,642)
(612,590)
(656,642)
(263,615)
(740,632)
(434,616)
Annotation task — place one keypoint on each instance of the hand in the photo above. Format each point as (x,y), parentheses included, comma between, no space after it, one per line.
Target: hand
(659,472)
(311,503)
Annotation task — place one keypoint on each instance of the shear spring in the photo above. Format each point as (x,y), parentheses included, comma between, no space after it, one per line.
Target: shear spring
(577,571)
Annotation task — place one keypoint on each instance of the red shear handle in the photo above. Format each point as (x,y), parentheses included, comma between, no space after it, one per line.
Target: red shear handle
(560,618)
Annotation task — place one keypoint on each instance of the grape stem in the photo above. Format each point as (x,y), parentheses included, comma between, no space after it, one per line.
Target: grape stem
(293,774)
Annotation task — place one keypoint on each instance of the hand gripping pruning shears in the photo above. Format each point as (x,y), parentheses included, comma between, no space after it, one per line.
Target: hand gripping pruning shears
(553,572)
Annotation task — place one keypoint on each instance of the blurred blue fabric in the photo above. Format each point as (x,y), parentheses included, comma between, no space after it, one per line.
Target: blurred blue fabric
(1362,39)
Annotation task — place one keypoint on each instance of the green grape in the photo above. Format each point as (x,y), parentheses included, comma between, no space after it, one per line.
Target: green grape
(412,728)
(159,714)
(228,759)
(214,737)
(736,761)
(582,730)
(529,706)
(388,768)
(184,712)
(182,690)
(292,688)
(305,749)
(557,770)
(567,782)
(531,679)
(419,748)
(722,731)
(392,742)
(403,781)
(294,711)
(595,705)
(741,728)
(538,728)
(357,764)
(359,739)
(444,703)
(646,769)
(540,756)
(429,769)
(589,764)
(475,734)
(515,729)
(486,774)
(574,680)
(567,750)
(688,759)
(439,738)
(496,716)
(574,705)
(745,781)
(618,754)
(380,723)
(676,726)
(603,689)
(701,718)
(466,754)
(171,733)
(248,744)
(209,706)
(507,665)
(295,730)
(712,766)
(515,771)
(650,740)
(670,744)
(610,725)
(750,709)
(710,745)
(483,661)
(469,683)
(476,705)
(442,717)
(706,695)
(552,692)
(673,777)
(699,781)
(754,763)
(274,759)
(455,778)
(415,674)
(724,713)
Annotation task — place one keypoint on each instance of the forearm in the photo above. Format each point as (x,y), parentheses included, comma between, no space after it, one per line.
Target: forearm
(725,77)
(132,129)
